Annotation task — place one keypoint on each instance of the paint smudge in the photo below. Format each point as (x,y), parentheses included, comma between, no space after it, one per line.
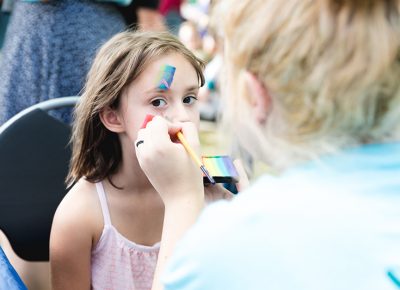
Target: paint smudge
(166,77)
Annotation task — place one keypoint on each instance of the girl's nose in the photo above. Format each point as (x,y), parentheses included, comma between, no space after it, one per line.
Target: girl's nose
(178,113)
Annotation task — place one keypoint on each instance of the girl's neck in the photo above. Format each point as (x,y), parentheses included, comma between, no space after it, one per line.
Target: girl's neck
(131,178)
(129,175)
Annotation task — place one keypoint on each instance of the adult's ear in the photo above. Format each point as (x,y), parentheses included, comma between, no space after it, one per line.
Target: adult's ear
(261,98)
(112,120)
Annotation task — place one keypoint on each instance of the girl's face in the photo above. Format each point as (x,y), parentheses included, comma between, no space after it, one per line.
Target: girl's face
(167,87)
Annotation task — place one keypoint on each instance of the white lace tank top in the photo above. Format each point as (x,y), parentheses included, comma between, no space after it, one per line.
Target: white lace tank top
(118,263)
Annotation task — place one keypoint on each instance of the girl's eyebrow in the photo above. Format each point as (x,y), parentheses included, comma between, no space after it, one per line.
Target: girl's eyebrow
(192,88)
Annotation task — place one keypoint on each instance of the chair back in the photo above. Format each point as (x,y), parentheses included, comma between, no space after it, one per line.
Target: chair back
(34,159)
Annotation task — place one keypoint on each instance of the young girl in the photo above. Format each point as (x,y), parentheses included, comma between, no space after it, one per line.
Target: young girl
(106,231)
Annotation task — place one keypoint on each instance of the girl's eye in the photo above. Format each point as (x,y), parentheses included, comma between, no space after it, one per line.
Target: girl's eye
(189,99)
(159,103)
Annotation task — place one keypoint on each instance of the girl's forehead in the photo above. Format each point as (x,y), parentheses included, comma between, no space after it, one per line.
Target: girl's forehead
(163,72)
(170,67)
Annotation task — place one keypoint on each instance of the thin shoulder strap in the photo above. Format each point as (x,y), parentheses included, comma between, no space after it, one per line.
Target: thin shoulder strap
(103,202)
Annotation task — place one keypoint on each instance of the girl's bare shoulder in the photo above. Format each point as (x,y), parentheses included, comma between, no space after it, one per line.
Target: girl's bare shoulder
(80,207)
(76,224)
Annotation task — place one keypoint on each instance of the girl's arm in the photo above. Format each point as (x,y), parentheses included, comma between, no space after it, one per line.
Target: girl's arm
(71,243)
(177,179)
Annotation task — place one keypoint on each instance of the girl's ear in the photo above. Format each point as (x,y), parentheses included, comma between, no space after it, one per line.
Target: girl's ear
(111,120)
(260,95)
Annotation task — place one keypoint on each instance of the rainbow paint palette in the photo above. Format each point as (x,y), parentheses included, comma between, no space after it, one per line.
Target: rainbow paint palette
(221,168)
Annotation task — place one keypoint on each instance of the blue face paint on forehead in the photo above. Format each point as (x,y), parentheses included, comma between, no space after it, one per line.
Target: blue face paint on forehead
(165,77)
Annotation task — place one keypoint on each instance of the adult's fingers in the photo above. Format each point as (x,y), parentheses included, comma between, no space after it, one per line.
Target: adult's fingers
(216,192)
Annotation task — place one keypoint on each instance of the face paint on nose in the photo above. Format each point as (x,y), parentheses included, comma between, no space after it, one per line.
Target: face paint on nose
(165,77)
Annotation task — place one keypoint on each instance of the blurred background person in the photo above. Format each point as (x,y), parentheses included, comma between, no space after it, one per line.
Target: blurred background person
(143,15)
(171,10)
(49,46)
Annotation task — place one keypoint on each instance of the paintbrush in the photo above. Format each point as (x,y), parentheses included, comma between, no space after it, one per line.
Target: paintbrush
(188,148)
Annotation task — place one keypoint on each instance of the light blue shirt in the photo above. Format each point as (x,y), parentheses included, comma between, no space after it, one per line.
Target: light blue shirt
(327,225)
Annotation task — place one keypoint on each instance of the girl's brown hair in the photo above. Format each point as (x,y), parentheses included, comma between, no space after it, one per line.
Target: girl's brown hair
(96,151)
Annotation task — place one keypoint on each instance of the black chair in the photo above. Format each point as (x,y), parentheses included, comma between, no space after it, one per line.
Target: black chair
(34,160)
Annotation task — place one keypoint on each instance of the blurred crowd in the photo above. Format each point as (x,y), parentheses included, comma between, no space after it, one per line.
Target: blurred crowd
(187,19)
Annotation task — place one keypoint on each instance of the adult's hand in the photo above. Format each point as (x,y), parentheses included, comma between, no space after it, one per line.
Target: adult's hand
(165,161)
(175,176)
(216,192)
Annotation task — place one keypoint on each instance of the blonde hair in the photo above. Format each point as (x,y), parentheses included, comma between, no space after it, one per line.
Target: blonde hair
(331,67)
(96,152)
